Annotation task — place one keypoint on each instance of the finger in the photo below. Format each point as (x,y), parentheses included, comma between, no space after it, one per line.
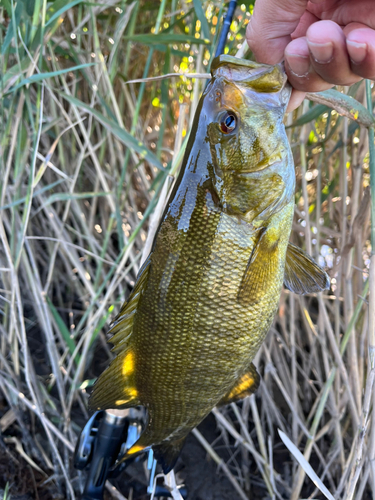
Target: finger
(295,100)
(328,53)
(305,22)
(271,25)
(353,26)
(360,45)
(345,12)
(299,69)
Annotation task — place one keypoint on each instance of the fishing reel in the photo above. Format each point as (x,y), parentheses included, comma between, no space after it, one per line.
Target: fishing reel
(101,446)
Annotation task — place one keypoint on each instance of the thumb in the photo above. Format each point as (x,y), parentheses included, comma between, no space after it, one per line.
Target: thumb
(270,27)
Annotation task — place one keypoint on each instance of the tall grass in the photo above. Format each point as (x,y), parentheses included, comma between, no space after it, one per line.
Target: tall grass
(84,158)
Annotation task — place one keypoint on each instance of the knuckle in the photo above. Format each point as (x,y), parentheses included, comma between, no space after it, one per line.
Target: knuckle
(308,83)
(363,70)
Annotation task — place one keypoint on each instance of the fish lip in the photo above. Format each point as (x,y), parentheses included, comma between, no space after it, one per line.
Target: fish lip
(256,170)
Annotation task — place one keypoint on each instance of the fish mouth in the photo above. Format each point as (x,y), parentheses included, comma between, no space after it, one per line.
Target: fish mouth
(263,165)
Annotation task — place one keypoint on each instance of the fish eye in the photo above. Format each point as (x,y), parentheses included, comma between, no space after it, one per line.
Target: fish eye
(228,122)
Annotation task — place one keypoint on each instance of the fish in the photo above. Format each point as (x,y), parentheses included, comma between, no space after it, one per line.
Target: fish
(208,292)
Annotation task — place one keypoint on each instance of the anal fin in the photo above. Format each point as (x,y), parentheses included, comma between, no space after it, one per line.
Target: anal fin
(245,386)
(133,452)
(166,453)
(302,274)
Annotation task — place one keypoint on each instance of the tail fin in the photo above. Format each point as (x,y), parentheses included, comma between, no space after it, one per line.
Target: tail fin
(167,453)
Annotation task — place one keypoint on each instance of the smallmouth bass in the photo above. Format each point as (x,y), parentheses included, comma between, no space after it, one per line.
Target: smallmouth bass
(206,296)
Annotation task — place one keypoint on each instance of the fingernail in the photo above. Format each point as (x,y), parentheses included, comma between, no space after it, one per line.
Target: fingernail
(299,65)
(357,51)
(322,52)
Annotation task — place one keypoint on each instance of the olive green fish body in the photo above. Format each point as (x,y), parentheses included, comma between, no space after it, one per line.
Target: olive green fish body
(209,290)
(191,302)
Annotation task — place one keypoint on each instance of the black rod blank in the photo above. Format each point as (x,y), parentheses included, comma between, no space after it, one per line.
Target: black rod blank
(225,29)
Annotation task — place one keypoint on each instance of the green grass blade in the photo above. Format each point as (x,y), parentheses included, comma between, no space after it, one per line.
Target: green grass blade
(345,105)
(167,38)
(72,196)
(312,114)
(202,18)
(58,8)
(10,31)
(116,130)
(63,328)
(36,193)
(43,76)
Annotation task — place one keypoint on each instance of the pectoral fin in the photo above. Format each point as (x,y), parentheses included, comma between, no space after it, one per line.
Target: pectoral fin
(302,274)
(245,386)
(262,268)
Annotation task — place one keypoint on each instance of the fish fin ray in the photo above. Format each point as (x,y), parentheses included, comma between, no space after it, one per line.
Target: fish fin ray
(122,325)
(246,385)
(133,452)
(167,453)
(263,265)
(302,274)
(115,388)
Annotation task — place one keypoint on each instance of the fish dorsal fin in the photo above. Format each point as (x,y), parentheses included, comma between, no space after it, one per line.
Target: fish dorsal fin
(246,385)
(115,388)
(302,274)
(262,267)
(122,325)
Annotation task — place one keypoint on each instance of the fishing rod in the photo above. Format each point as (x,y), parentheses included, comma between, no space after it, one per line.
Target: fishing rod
(225,28)
(108,434)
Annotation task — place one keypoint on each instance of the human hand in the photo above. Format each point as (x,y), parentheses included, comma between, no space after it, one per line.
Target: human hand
(324,42)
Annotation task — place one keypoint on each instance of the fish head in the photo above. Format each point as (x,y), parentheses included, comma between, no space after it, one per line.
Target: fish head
(251,165)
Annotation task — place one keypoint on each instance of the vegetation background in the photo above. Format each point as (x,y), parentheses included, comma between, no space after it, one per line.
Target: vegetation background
(84,157)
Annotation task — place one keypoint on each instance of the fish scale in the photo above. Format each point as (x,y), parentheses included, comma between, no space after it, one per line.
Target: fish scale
(205,298)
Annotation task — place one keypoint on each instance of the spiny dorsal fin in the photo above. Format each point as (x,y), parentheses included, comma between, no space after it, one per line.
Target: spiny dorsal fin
(122,325)
(245,386)
(302,274)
